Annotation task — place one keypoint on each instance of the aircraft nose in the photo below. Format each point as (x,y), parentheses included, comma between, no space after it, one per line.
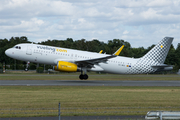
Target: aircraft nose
(7,52)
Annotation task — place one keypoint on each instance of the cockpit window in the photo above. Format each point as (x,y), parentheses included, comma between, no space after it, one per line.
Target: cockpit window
(17,47)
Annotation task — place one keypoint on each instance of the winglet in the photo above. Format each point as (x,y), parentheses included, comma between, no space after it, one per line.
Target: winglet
(119,50)
(100,51)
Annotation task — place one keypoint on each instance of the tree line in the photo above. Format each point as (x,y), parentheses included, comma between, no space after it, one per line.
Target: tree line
(173,57)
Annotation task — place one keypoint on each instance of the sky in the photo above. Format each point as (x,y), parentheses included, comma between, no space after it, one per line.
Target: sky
(139,22)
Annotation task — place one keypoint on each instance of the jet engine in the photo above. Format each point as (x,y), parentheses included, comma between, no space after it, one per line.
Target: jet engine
(65,66)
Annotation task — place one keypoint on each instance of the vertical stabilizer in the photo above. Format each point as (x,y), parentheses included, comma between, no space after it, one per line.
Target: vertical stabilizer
(155,57)
(159,52)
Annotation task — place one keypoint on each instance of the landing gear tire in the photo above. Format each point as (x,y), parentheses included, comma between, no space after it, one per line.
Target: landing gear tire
(83,77)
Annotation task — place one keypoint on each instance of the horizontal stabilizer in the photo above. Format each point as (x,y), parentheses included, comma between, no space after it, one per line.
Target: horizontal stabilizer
(163,67)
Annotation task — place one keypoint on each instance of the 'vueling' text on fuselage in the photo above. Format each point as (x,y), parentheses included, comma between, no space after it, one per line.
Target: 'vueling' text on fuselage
(51,48)
(46,48)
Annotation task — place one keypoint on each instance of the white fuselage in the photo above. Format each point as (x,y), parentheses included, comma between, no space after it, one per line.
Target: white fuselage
(51,55)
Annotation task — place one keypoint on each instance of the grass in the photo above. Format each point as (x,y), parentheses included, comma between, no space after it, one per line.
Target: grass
(118,100)
(25,101)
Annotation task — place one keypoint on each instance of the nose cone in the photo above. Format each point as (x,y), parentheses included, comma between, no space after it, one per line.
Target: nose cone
(8,52)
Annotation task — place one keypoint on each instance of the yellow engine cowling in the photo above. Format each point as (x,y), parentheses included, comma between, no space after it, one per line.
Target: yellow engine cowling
(65,66)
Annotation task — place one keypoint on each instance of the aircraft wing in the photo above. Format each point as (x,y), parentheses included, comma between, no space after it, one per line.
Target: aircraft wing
(98,60)
(94,61)
(87,62)
(90,62)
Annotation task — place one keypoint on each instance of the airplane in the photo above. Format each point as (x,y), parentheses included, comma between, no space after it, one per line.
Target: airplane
(70,60)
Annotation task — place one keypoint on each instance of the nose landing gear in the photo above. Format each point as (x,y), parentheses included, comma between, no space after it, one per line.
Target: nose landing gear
(27,65)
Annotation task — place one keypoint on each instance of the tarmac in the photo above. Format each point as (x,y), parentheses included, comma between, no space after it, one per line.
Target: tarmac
(86,83)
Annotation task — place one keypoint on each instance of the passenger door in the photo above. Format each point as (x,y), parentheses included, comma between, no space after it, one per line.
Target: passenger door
(29,50)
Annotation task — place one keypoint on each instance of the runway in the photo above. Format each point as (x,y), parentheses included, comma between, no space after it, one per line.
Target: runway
(86,83)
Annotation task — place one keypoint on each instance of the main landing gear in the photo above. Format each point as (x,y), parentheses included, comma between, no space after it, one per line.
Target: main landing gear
(27,65)
(83,76)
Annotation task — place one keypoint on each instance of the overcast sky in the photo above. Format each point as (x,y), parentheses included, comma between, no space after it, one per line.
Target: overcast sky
(139,22)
